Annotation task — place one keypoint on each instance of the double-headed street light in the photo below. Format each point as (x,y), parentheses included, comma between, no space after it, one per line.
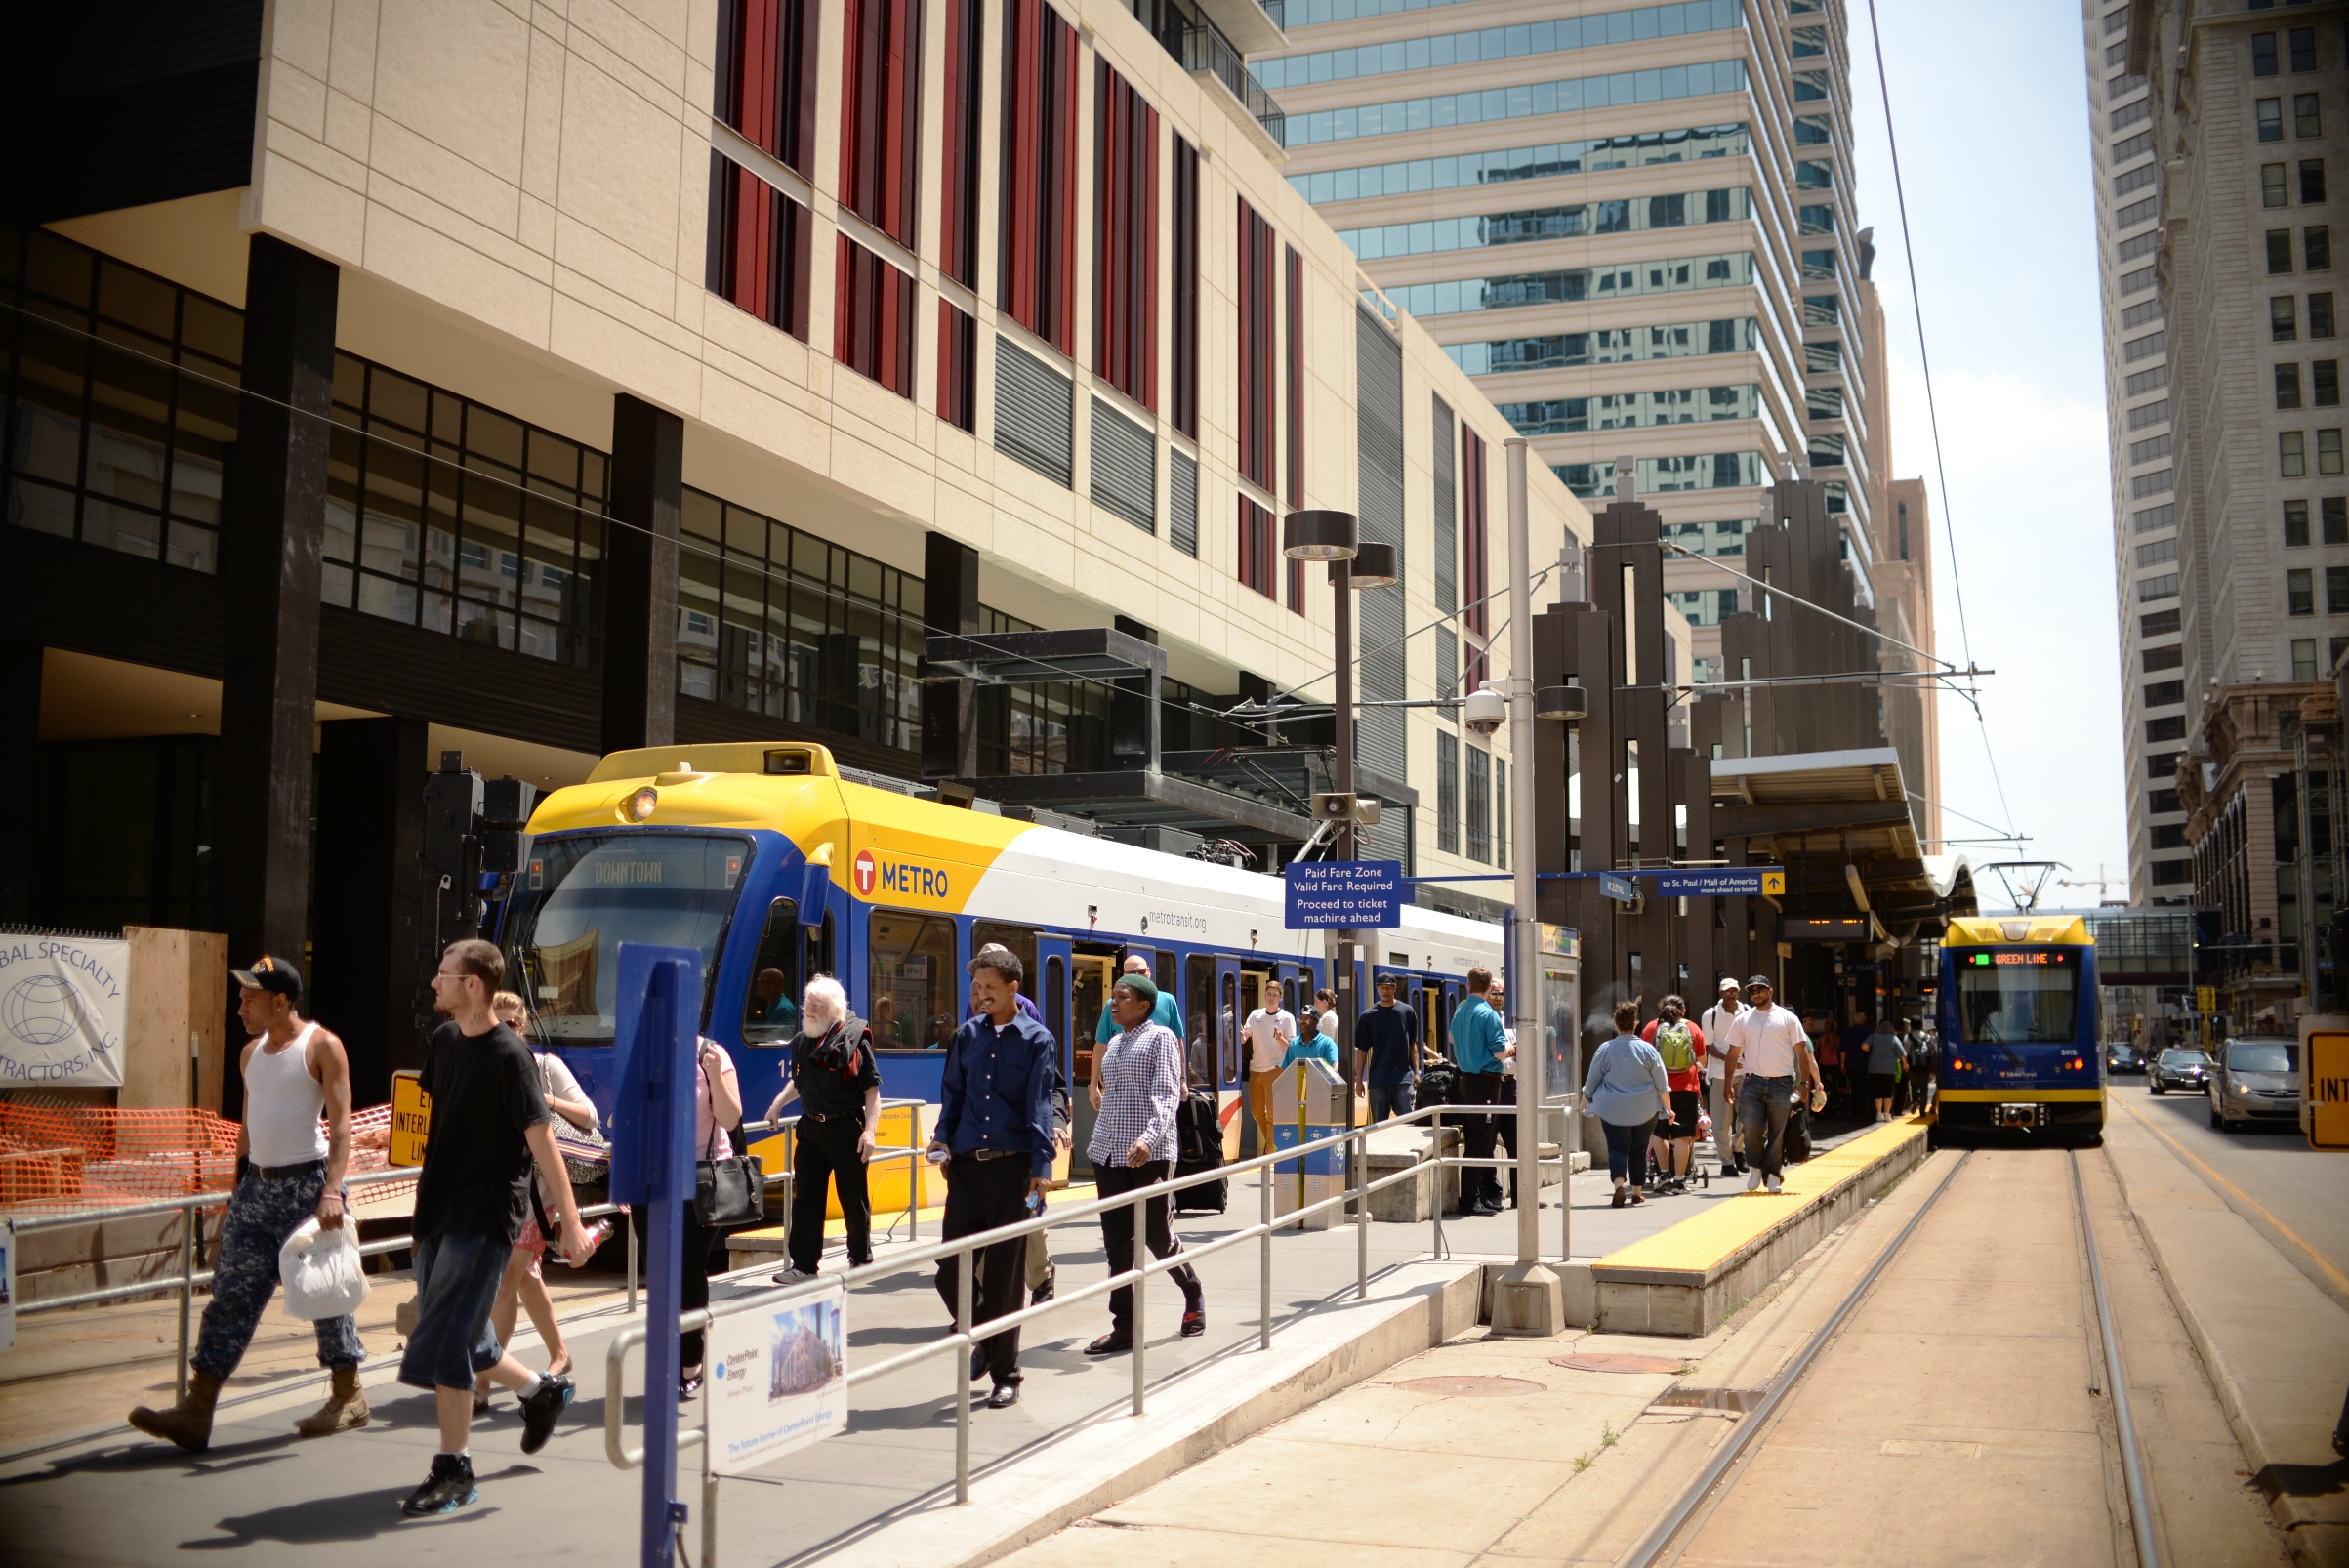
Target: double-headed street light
(1335,537)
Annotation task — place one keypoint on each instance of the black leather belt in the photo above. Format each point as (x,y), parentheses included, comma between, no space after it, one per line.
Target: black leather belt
(290,1173)
(999,1154)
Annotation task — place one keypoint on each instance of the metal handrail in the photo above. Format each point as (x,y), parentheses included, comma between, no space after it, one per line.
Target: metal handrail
(963,1337)
(1204,49)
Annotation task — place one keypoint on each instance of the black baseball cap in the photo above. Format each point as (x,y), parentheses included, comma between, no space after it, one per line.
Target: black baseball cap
(270,973)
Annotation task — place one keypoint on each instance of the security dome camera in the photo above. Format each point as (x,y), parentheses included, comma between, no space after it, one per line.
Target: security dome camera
(1484,711)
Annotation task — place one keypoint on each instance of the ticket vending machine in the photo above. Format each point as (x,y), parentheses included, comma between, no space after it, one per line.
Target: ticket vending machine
(1308,1102)
(1561,1014)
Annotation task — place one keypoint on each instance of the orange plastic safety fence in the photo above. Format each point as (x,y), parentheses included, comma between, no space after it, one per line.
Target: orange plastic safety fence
(55,1160)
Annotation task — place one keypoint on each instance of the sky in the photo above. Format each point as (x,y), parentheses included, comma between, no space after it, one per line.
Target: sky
(1990,107)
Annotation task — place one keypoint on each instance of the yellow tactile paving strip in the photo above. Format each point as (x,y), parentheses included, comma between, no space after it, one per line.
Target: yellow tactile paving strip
(1704,1241)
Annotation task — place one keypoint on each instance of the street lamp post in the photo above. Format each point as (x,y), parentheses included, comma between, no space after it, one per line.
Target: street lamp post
(1528,1301)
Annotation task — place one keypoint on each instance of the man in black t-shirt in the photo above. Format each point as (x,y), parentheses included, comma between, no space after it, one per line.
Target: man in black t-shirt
(489,1124)
(838,1084)
(1387,1054)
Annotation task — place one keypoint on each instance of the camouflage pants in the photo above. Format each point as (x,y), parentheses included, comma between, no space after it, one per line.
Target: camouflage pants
(262,1215)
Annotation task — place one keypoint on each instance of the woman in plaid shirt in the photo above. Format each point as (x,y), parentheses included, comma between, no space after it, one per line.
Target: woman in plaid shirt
(1134,1145)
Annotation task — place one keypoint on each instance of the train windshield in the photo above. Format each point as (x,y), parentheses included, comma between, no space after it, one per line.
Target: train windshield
(584,895)
(2018,998)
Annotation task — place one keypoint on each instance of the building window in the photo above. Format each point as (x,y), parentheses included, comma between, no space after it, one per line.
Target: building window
(2305,119)
(2336,589)
(2169,658)
(1476,583)
(881,109)
(2263,54)
(959,142)
(1256,548)
(1480,807)
(2172,727)
(2269,114)
(2295,523)
(958,367)
(2288,385)
(872,319)
(2169,835)
(1447,792)
(2336,519)
(2325,380)
(2329,452)
(1500,813)
(1254,304)
(2159,550)
(2304,658)
(2160,623)
(2311,181)
(2299,592)
(759,239)
(2303,42)
(1182,390)
(2153,517)
(2156,588)
(1293,326)
(1525,100)
(1446,525)
(2274,190)
(2283,319)
(2319,315)
(2161,694)
(2279,251)
(1037,251)
(765,76)
(2316,247)
(2161,801)
(2335,648)
(1125,238)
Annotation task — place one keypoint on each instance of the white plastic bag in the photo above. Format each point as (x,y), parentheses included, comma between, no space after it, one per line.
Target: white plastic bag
(321,1271)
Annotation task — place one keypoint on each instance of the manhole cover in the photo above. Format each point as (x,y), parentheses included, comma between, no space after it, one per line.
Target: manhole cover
(1744,1401)
(1599,1361)
(1471,1388)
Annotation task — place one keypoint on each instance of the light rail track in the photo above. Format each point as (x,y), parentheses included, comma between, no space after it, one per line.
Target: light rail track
(1678,1528)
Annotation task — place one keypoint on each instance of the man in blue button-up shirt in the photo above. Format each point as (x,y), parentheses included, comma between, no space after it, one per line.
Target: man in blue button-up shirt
(1478,1039)
(995,1121)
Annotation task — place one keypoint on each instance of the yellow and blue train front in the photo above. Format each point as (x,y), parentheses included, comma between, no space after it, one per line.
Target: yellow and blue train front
(2018,1013)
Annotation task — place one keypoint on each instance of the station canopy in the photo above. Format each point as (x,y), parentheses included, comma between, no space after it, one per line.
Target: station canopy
(1834,819)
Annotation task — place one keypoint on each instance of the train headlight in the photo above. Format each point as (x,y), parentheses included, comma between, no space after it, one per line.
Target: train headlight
(640,807)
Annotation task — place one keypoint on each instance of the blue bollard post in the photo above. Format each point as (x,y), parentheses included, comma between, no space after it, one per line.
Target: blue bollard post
(652,1166)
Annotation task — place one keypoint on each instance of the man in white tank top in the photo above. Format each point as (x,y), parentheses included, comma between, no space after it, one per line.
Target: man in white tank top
(289,1167)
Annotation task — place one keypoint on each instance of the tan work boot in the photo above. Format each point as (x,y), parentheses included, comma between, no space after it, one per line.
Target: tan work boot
(189,1422)
(345,1406)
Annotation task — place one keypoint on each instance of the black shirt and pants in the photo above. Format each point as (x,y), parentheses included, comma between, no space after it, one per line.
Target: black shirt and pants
(832,1115)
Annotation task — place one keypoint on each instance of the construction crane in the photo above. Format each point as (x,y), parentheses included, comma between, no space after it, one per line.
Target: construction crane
(2100,882)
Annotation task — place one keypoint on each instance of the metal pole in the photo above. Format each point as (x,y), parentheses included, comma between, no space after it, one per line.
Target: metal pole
(1359,1155)
(1342,844)
(1525,955)
(1142,1294)
(632,1269)
(1265,1261)
(962,1379)
(189,1219)
(709,1488)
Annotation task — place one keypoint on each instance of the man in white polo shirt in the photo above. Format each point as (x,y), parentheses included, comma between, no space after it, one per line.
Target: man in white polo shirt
(1766,1044)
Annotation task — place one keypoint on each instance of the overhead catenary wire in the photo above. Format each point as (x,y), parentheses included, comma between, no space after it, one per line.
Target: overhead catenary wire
(1941,471)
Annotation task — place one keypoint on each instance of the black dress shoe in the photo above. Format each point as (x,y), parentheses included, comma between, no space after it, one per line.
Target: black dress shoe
(1110,1344)
(1005,1395)
(1044,1292)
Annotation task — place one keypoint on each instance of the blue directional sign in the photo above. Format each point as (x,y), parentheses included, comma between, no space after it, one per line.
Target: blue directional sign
(1619,888)
(1342,894)
(1721,882)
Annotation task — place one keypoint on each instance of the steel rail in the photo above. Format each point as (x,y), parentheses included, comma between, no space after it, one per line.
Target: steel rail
(2132,1462)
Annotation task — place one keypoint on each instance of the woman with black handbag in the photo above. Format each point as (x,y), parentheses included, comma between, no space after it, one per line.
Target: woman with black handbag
(722,1178)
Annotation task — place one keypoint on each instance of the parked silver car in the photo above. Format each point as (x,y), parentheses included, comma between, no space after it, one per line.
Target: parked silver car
(2254,1080)
(2180,1067)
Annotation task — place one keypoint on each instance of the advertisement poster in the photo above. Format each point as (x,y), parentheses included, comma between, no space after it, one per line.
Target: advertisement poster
(64,1005)
(778,1379)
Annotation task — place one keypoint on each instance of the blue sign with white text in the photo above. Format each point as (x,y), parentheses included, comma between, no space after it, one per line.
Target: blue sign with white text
(1619,888)
(1342,894)
(1721,882)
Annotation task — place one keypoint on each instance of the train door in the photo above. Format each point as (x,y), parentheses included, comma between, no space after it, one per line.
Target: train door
(1231,1067)
(1054,964)
(1091,975)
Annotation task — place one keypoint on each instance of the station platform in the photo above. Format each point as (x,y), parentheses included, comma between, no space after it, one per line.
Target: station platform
(1687,1278)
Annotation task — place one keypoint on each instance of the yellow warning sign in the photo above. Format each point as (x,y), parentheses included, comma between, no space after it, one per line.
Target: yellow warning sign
(2325,1073)
(2206,999)
(411,1120)
(1773,885)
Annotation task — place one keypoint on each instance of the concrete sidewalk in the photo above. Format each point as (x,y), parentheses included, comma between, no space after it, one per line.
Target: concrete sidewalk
(2276,1347)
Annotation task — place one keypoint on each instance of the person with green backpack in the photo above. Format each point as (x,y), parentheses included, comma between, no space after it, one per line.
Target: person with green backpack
(1681,1045)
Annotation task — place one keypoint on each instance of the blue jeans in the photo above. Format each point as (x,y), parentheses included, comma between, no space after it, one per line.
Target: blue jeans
(262,1215)
(1627,1148)
(1764,1106)
(456,1281)
(1393,1100)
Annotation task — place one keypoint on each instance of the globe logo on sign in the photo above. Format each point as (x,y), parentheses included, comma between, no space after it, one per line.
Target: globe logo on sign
(42,1010)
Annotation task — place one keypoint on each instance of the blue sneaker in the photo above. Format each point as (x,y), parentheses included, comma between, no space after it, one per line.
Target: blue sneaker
(447,1489)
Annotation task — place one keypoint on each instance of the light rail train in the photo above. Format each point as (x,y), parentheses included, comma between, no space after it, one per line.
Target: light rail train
(774,867)
(2019,1051)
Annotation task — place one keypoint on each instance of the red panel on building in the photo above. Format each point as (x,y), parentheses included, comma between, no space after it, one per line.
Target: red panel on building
(872,319)
(881,100)
(1037,198)
(1125,238)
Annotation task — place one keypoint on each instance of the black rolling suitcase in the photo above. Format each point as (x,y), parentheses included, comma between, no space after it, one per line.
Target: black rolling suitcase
(1199,1135)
